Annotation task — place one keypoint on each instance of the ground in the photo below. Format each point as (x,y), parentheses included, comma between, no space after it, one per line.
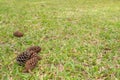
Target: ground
(80,39)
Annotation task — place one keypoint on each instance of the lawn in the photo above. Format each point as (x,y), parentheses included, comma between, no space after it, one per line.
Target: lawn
(80,39)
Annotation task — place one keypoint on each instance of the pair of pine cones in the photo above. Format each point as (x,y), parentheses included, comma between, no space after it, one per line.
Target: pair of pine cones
(29,58)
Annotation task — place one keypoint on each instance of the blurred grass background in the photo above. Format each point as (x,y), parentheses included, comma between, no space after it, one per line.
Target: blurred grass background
(80,39)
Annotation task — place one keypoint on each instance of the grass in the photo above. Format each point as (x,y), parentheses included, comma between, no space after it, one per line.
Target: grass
(80,39)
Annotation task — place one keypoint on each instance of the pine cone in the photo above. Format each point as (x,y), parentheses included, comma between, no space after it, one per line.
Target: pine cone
(24,56)
(18,34)
(37,49)
(31,63)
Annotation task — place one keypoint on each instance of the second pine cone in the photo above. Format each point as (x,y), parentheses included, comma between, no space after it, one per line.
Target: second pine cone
(31,63)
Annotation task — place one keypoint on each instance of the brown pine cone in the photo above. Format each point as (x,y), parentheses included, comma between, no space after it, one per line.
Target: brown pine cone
(24,56)
(37,49)
(18,34)
(31,63)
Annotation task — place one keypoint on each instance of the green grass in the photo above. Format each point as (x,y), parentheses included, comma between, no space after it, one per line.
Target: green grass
(80,39)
